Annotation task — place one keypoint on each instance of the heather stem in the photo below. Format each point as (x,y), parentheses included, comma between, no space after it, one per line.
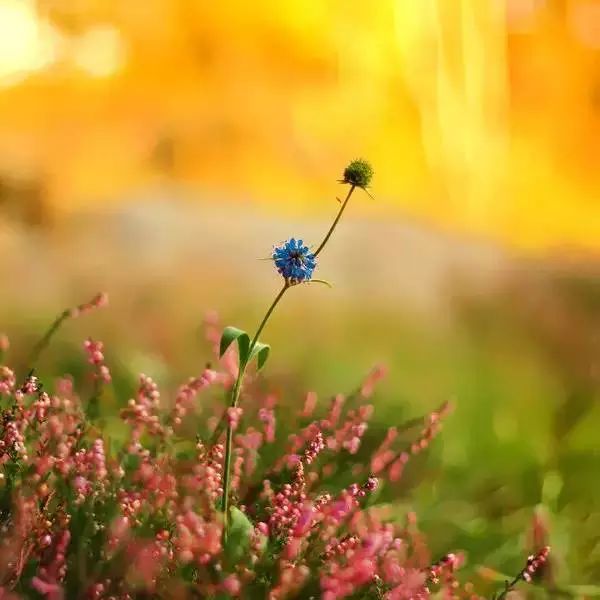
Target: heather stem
(508,588)
(97,301)
(334,224)
(235,394)
(47,337)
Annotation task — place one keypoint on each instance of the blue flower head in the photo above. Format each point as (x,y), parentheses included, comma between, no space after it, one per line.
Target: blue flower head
(294,261)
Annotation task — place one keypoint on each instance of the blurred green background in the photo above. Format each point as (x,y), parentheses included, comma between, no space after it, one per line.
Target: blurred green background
(158,154)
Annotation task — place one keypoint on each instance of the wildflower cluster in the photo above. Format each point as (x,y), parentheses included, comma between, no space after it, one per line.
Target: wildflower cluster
(74,505)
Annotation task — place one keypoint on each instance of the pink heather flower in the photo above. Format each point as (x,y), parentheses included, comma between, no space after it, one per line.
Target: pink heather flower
(535,562)
(349,435)
(31,385)
(12,441)
(232,585)
(142,411)
(267,416)
(397,467)
(310,404)
(383,455)
(446,566)
(368,385)
(249,443)
(287,505)
(50,574)
(412,587)
(258,541)
(238,464)
(52,591)
(82,486)
(94,350)
(340,547)
(97,460)
(4,342)
(96,358)
(119,532)
(314,448)
(234,414)
(371,484)
(335,410)
(292,577)
(197,535)
(207,474)
(64,386)
(146,563)
(188,391)
(298,441)
(7,380)
(100,300)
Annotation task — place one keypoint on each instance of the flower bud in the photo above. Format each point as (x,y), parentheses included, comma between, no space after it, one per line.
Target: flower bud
(358,173)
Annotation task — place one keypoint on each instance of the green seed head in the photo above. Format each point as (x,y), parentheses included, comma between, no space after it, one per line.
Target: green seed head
(359,173)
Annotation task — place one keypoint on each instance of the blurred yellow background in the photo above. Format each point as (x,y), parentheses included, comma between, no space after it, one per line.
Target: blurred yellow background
(480,116)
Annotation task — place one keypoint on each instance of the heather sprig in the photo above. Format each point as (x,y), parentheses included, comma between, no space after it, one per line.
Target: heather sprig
(98,301)
(535,562)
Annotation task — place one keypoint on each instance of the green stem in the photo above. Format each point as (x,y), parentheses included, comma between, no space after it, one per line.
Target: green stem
(334,224)
(266,317)
(508,587)
(235,395)
(45,340)
(235,392)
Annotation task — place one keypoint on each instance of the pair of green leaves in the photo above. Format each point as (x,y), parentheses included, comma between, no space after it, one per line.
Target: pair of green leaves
(246,354)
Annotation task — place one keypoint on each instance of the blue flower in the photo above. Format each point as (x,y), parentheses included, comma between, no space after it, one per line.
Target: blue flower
(294,261)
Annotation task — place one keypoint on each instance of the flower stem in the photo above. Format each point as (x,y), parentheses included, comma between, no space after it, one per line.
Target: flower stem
(97,301)
(334,224)
(508,587)
(266,317)
(45,340)
(235,394)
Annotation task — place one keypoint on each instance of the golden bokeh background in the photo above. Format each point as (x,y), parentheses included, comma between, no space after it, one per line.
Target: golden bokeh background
(482,116)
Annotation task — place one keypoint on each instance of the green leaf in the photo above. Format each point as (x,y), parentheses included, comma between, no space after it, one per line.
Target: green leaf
(323,281)
(238,535)
(261,351)
(232,334)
